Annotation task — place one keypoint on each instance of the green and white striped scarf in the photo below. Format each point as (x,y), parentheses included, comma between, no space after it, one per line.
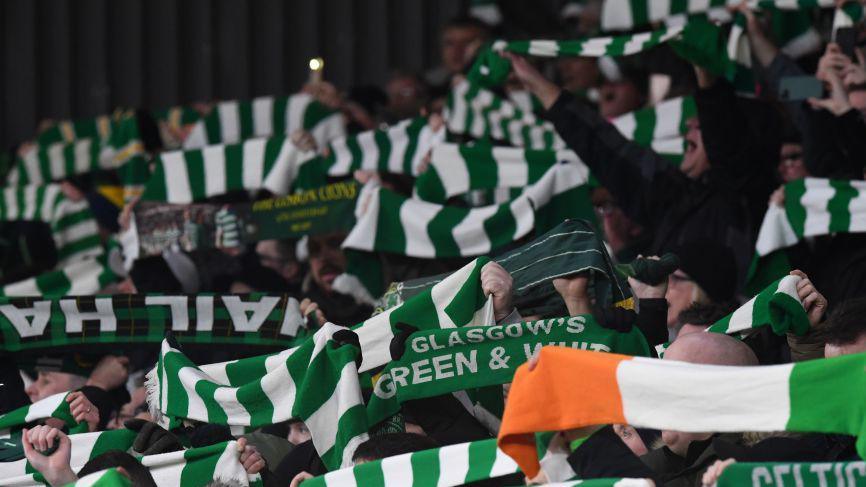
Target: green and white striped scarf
(76,235)
(104,478)
(82,278)
(457,300)
(623,45)
(54,406)
(447,466)
(628,14)
(479,113)
(661,127)
(196,174)
(198,467)
(777,306)
(813,207)
(389,222)
(118,131)
(398,149)
(233,121)
(84,447)
(316,382)
(457,169)
(60,161)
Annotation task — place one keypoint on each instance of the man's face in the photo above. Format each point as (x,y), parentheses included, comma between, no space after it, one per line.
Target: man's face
(298,433)
(404,96)
(270,257)
(577,73)
(619,230)
(791,166)
(50,383)
(327,260)
(857,346)
(695,161)
(618,98)
(680,294)
(455,43)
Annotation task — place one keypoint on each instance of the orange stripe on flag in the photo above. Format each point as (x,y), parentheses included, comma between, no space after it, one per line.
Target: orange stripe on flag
(568,389)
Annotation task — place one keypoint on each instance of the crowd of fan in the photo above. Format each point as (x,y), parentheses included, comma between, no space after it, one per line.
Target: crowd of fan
(707,211)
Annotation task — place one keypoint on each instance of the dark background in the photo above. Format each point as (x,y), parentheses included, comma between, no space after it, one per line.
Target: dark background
(79,58)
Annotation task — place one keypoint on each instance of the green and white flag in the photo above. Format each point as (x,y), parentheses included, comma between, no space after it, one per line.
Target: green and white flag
(389,222)
(794,474)
(198,467)
(778,306)
(398,149)
(196,174)
(76,235)
(316,382)
(628,14)
(457,169)
(457,300)
(623,45)
(82,278)
(61,160)
(479,113)
(104,478)
(84,447)
(447,466)
(230,122)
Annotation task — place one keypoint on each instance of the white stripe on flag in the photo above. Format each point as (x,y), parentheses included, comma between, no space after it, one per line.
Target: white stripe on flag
(818,193)
(415,215)
(453,175)
(230,118)
(81,153)
(253,163)
(324,422)
(668,116)
(214,158)
(263,121)
(189,377)
(236,413)
(177,188)
(55,160)
(741,396)
(399,138)
(369,150)
(295,112)
(44,407)
(543,48)
(453,465)
(856,208)
(470,234)
(397,470)
(374,337)
(279,386)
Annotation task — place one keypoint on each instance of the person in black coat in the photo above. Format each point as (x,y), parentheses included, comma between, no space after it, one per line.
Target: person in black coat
(720,191)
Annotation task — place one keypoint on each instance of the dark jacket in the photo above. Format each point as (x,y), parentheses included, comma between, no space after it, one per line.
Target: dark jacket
(653,192)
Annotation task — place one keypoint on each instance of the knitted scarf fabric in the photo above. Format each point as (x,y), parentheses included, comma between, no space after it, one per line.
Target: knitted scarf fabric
(799,474)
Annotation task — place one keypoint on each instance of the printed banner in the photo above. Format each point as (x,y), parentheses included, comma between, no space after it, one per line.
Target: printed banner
(161,226)
(35,324)
(794,474)
(442,361)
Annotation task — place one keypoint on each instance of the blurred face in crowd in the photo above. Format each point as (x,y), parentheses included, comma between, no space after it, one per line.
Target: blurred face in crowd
(835,350)
(456,42)
(577,74)
(619,230)
(695,161)
(405,96)
(327,260)
(791,166)
(271,256)
(682,291)
(50,383)
(629,436)
(298,433)
(138,397)
(618,98)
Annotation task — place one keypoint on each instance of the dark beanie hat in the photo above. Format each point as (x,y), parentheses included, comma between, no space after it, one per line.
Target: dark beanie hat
(712,266)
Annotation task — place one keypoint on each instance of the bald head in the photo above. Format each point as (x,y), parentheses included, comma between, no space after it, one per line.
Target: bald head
(710,349)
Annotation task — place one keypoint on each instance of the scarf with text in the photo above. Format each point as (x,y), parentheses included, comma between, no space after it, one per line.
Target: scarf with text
(793,474)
